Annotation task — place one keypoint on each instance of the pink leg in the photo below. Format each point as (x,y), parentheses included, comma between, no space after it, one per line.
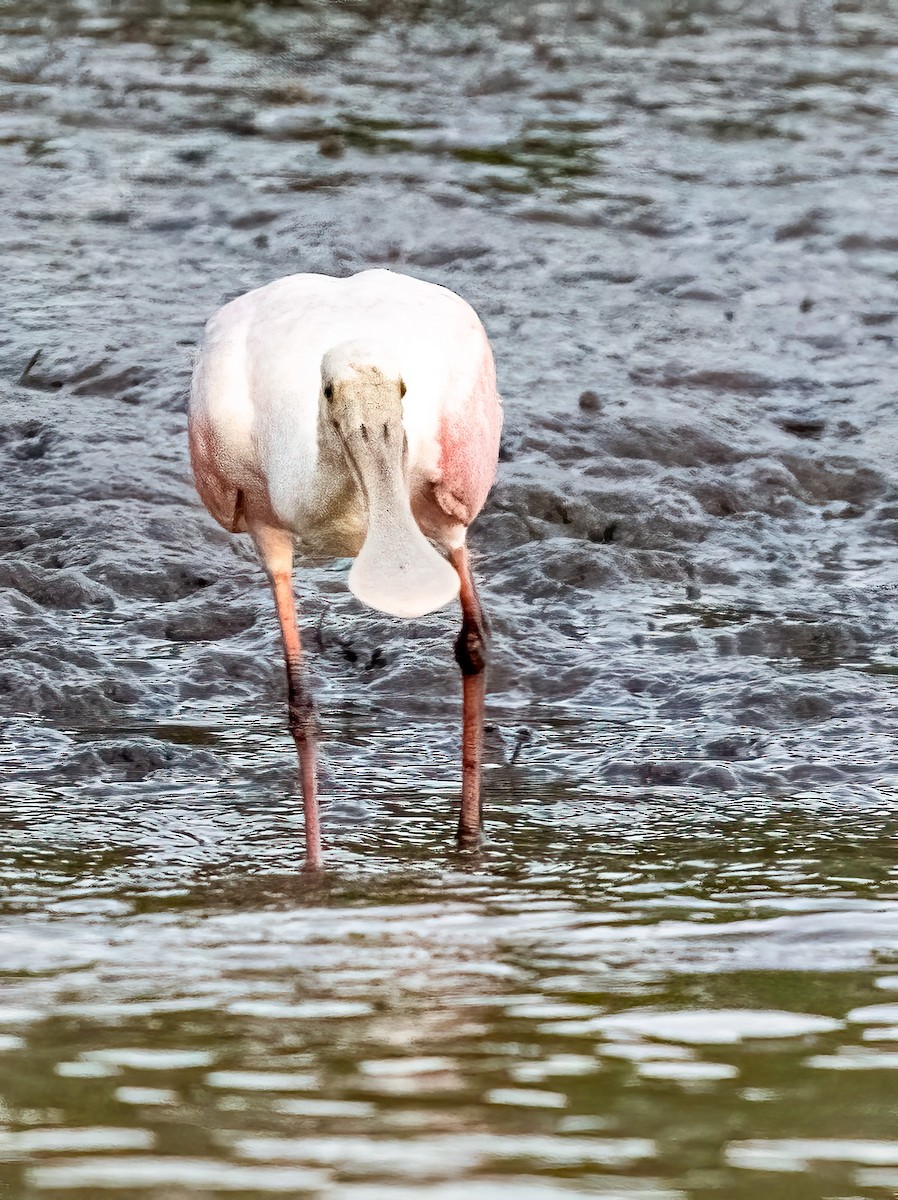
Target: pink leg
(470,653)
(301,711)
(276,552)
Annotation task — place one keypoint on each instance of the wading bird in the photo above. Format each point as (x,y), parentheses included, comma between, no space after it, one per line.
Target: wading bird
(354,417)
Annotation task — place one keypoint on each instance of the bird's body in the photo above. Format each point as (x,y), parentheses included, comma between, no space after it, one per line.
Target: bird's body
(256,425)
(349,417)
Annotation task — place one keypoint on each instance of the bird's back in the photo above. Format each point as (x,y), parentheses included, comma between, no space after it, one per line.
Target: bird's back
(257,381)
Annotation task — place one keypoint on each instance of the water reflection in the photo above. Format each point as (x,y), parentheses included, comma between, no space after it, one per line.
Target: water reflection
(601,1014)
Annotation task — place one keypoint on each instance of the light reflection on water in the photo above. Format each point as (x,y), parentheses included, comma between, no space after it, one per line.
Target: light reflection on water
(641,998)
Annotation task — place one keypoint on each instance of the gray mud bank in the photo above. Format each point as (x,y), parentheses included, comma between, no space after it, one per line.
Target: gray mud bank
(679,229)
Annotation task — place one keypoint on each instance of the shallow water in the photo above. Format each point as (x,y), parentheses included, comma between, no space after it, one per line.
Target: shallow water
(673,970)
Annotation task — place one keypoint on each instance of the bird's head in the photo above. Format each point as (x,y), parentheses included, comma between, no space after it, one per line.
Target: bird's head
(360,384)
(397,570)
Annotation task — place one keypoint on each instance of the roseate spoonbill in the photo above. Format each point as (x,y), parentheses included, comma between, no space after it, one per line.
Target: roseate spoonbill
(357,416)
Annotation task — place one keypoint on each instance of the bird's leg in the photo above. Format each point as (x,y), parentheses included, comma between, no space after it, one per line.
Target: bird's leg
(470,653)
(276,551)
(301,710)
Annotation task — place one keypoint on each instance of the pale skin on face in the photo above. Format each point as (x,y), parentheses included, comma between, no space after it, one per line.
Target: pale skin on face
(397,570)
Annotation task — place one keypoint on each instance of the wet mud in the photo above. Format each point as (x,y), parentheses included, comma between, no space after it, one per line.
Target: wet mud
(678,225)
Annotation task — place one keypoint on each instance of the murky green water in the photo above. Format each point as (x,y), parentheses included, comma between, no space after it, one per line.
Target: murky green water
(653,996)
(672,974)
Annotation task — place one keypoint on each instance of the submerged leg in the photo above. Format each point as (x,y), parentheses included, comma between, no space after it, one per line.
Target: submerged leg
(470,653)
(276,551)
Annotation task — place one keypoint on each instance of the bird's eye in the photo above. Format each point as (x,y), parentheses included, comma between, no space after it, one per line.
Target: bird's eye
(402,388)
(329,392)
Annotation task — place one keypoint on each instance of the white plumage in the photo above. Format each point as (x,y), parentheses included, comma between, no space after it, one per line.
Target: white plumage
(258,378)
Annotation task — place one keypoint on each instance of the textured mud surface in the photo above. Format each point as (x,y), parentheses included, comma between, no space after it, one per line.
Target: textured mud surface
(679,226)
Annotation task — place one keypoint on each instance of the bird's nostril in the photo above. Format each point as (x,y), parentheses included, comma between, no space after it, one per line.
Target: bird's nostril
(364,433)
